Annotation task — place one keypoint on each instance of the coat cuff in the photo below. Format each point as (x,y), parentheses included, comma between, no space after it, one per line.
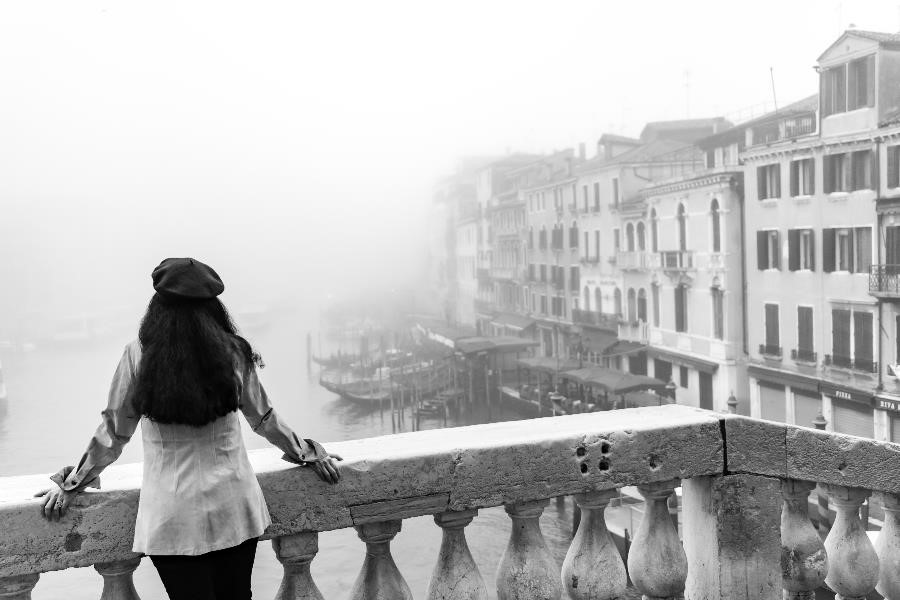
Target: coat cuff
(59,478)
(310,451)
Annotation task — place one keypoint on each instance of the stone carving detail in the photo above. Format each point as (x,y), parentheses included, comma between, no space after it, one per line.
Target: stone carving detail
(527,570)
(657,562)
(295,553)
(593,569)
(117,579)
(888,548)
(852,561)
(379,578)
(455,576)
(804,563)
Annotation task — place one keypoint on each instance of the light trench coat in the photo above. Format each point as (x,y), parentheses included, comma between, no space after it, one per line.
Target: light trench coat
(199,492)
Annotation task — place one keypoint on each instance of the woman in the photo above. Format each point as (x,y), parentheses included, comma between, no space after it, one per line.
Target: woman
(201,509)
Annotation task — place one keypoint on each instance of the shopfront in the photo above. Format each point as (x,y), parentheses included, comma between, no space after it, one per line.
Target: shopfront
(851,410)
(891,406)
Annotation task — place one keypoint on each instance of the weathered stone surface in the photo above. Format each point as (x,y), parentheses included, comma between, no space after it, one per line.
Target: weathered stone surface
(379,578)
(888,548)
(478,466)
(118,583)
(455,576)
(804,562)
(732,537)
(852,560)
(755,446)
(593,568)
(527,570)
(657,562)
(295,553)
(844,460)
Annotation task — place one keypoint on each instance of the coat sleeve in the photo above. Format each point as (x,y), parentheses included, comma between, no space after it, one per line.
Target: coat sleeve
(265,421)
(119,422)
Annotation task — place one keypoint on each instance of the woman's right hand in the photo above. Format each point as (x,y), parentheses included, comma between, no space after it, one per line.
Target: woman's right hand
(327,469)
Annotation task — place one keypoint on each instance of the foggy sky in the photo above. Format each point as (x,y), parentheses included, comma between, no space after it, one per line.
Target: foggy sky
(293,145)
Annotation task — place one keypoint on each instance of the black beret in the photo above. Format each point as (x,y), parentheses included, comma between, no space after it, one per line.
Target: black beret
(186,278)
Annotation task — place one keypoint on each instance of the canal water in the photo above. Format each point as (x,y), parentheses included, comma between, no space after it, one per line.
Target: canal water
(56,393)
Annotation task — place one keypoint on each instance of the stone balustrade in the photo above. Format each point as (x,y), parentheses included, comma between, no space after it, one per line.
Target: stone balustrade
(746,532)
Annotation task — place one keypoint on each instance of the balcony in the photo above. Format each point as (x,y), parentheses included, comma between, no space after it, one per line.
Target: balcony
(865,365)
(745,490)
(677,260)
(632,260)
(804,356)
(884,281)
(769,350)
(593,318)
(636,331)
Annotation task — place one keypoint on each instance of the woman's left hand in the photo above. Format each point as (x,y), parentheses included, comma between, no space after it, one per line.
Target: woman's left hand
(55,502)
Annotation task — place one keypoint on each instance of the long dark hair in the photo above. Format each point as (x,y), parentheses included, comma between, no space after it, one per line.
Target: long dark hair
(187,369)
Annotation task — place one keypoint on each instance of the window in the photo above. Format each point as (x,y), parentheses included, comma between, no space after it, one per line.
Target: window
(710,159)
(654,231)
(598,300)
(803,177)
(531,273)
(682,227)
(597,245)
(654,290)
(544,273)
(767,250)
(773,341)
(632,305)
(718,311)
(574,278)
(847,249)
(641,244)
(861,170)
(587,249)
(642,305)
(833,85)
(716,226)
(849,171)
(542,238)
(616,240)
(587,298)
(531,238)
(629,237)
(584,193)
(801,249)
(618,301)
(805,334)
(893,166)
(681,304)
(852,330)
(683,376)
(615,191)
(768,181)
(596,197)
(573,235)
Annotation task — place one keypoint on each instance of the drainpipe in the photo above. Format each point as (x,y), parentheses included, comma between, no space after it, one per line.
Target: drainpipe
(739,192)
(878,218)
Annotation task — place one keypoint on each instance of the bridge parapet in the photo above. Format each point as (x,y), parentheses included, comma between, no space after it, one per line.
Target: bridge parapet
(745,484)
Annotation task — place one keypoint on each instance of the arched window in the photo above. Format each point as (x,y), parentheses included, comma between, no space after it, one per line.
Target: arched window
(573,235)
(629,237)
(682,227)
(642,305)
(641,244)
(598,300)
(617,302)
(632,305)
(654,231)
(715,216)
(587,298)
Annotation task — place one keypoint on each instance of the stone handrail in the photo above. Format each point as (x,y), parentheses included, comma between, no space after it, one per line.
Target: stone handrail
(745,487)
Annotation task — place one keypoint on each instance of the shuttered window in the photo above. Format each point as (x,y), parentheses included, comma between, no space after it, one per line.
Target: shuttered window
(654,289)
(862,341)
(772,405)
(840,336)
(767,250)
(852,419)
(806,407)
(893,166)
(895,429)
(801,249)
(892,245)
(681,308)
(768,181)
(803,173)
(805,333)
(847,249)
(772,337)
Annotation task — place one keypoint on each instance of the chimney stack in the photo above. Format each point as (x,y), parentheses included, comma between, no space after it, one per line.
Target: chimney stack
(582,152)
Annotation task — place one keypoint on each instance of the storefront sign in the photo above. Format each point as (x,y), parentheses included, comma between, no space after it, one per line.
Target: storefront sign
(890,404)
(848,394)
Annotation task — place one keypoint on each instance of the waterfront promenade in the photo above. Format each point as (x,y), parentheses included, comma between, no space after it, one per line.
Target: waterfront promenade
(744,509)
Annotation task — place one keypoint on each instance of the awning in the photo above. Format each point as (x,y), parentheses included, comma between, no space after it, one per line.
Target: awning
(616,382)
(517,322)
(549,364)
(471,345)
(704,366)
(624,347)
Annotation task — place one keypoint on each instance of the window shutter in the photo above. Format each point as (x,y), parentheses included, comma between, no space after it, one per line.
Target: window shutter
(679,309)
(812,249)
(828,170)
(863,250)
(811,170)
(804,329)
(762,250)
(870,80)
(777,175)
(776,260)
(760,183)
(796,173)
(793,249)
(840,333)
(772,325)
(862,338)
(828,250)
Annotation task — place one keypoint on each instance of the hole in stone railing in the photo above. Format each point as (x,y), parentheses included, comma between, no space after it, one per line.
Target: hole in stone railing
(654,462)
(604,464)
(580,451)
(73,542)
(604,448)
(584,468)
(842,466)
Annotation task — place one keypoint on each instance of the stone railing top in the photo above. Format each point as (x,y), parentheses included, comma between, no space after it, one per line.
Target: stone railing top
(427,472)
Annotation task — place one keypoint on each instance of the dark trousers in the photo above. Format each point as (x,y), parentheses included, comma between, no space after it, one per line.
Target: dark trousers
(217,575)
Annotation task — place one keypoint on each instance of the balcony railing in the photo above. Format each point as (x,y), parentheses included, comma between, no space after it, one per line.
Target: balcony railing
(804,355)
(746,528)
(637,331)
(677,260)
(632,260)
(595,319)
(770,350)
(884,281)
(866,365)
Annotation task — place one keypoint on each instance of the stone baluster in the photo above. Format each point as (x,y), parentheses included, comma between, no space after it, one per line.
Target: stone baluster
(18,587)
(117,579)
(804,563)
(888,548)
(455,576)
(295,553)
(593,569)
(657,562)
(379,578)
(527,570)
(852,561)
